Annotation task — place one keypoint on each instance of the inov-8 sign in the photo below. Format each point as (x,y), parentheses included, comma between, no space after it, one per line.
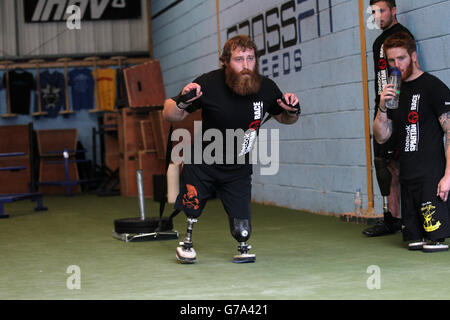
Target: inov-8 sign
(56,10)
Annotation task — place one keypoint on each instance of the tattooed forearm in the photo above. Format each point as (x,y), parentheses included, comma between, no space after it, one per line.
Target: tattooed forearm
(382,128)
(444,120)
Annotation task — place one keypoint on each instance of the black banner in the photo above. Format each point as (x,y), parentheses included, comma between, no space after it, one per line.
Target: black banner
(94,10)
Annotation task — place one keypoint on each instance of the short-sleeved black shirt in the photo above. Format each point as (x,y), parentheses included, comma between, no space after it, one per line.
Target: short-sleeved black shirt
(416,125)
(20,85)
(222,109)
(380,63)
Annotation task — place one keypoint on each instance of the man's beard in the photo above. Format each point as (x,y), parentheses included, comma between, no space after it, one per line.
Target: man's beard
(409,70)
(386,24)
(243,83)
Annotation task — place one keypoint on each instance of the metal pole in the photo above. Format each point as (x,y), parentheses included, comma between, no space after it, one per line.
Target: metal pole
(362,35)
(140,188)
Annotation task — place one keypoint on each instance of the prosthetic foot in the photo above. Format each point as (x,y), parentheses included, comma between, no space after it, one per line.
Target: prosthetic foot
(186,253)
(389,224)
(244,256)
(240,230)
(417,245)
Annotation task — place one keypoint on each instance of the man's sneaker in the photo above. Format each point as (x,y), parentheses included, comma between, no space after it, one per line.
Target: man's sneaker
(383,228)
(417,245)
(435,246)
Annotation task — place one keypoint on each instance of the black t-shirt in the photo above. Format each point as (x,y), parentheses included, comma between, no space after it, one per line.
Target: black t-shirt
(381,65)
(417,128)
(20,86)
(223,109)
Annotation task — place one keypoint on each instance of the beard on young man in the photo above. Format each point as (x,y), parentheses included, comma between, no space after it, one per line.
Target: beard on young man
(408,71)
(243,83)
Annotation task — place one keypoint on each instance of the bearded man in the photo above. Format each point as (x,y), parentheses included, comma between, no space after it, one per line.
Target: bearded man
(235,97)
(419,125)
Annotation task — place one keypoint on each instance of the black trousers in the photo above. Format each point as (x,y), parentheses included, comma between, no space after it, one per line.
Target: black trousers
(199,182)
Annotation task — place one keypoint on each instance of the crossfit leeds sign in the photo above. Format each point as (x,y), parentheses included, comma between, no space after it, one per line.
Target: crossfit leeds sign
(56,10)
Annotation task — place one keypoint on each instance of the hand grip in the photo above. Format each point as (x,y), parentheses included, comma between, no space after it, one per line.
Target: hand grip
(188,96)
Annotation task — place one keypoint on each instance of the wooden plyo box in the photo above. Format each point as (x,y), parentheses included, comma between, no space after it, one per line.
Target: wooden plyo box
(127,174)
(111,140)
(154,133)
(49,142)
(142,133)
(53,140)
(150,165)
(145,86)
(15,181)
(129,163)
(56,172)
(14,139)
(112,161)
(110,119)
(129,130)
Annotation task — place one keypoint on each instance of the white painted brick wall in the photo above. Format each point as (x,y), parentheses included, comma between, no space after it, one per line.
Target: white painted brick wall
(322,157)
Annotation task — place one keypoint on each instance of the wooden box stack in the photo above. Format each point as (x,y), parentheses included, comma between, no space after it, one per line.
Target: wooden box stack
(15,139)
(111,138)
(51,144)
(142,132)
(138,150)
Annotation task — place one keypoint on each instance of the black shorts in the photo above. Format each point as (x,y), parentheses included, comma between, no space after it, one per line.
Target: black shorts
(424,215)
(387,150)
(200,182)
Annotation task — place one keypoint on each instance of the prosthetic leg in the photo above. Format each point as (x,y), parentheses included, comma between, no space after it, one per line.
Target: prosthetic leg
(241,230)
(384,178)
(186,252)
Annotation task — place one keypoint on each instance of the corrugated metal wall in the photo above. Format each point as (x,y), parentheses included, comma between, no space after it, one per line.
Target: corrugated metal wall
(20,39)
(7,29)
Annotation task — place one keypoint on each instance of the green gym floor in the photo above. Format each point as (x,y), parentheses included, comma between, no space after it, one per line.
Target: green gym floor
(298,256)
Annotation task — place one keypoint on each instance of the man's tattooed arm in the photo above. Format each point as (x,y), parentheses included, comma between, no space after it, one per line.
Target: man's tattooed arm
(382,127)
(444,185)
(444,119)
